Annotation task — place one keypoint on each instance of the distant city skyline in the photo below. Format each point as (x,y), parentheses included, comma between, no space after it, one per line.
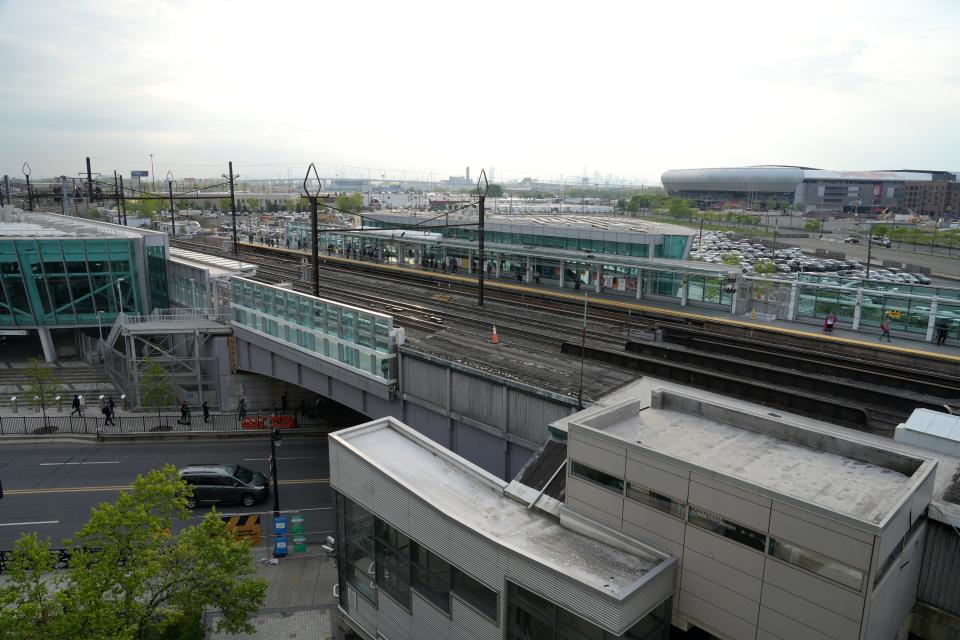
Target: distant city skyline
(612,92)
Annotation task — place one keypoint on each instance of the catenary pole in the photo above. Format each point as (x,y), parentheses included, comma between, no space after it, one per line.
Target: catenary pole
(233,212)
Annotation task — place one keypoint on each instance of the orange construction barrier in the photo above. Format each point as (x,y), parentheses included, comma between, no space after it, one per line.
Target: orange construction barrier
(252,423)
(495,339)
(283,422)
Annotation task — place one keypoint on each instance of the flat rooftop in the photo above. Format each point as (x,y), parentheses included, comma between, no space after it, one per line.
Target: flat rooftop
(17,223)
(216,265)
(615,224)
(476,499)
(766,450)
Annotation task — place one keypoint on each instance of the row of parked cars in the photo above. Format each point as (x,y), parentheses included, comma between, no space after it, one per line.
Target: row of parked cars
(713,246)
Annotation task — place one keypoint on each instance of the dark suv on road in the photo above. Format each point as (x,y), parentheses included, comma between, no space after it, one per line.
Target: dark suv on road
(224,484)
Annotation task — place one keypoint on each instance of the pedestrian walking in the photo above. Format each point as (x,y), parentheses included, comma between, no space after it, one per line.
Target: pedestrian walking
(242,408)
(828,323)
(76,407)
(942,332)
(107,417)
(206,412)
(283,401)
(184,413)
(113,407)
(885,331)
(276,408)
(302,407)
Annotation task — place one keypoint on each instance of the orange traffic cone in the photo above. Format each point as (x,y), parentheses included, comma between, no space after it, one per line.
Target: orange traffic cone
(495,339)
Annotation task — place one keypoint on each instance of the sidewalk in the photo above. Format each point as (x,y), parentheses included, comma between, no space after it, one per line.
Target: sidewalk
(299,603)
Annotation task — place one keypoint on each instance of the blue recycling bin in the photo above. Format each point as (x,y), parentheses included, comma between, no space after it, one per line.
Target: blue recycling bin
(280,536)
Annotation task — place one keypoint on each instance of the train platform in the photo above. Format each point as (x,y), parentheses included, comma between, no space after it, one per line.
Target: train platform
(901,342)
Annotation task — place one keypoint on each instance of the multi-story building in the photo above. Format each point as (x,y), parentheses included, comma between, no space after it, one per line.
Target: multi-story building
(61,273)
(666,505)
(931,198)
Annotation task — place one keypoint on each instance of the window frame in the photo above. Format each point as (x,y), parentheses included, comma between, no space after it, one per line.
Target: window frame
(729,524)
(619,483)
(469,600)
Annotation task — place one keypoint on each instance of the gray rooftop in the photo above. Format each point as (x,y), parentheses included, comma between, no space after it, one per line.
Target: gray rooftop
(475,498)
(35,224)
(773,453)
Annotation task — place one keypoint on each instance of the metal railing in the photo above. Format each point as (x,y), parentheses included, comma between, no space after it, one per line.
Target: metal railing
(38,425)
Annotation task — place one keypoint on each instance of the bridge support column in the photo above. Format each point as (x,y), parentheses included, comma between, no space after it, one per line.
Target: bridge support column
(499,258)
(46,341)
(639,284)
(599,277)
(684,289)
(792,309)
(529,277)
(932,322)
(857,309)
(563,272)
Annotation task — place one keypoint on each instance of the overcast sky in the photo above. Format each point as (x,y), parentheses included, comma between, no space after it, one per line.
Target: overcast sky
(544,89)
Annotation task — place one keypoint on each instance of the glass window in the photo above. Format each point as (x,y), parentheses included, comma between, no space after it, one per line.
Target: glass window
(656,500)
(356,553)
(393,562)
(816,563)
(531,617)
(719,525)
(477,594)
(431,576)
(584,472)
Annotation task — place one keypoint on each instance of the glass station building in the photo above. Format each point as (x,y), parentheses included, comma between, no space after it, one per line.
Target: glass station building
(623,256)
(60,272)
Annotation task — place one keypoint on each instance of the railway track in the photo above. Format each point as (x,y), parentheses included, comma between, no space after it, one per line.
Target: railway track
(862,389)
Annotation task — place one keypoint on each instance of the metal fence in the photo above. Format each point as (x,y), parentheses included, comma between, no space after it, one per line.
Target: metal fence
(37,425)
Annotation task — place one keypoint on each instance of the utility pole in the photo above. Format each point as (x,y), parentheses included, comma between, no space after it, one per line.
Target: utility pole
(314,232)
(152,174)
(173,223)
(869,249)
(26,172)
(123,201)
(116,196)
(89,185)
(274,440)
(233,212)
(6,187)
(481,262)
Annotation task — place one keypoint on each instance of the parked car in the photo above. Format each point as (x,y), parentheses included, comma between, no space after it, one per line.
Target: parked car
(224,484)
(852,240)
(922,279)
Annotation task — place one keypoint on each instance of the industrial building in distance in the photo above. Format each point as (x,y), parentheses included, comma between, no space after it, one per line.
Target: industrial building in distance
(935,193)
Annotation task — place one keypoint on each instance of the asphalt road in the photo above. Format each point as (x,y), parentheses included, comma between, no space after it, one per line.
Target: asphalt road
(50,487)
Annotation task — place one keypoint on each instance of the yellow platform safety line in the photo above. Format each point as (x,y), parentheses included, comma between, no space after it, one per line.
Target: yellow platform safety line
(124,487)
(619,304)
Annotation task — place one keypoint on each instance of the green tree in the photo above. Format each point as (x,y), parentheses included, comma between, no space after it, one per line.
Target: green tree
(251,204)
(496,191)
(155,388)
(730,259)
(812,226)
(351,203)
(679,208)
(764,266)
(150,577)
(42,384)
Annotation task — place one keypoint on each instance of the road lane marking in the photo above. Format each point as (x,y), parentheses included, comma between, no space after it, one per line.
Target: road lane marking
(124,487)
(23,524)
(55,464)
(265,459)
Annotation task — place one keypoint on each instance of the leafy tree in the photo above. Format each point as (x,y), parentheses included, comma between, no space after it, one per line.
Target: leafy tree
(42,384)
(730,259)
(882,230)
(351,203)
(155,387)
(224,204)
(764,266)
(812,226)
(251,204)
(496,191)
(679,208)
(137,573)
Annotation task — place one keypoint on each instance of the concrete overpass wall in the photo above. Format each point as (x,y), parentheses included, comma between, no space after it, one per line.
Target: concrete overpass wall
(494,422)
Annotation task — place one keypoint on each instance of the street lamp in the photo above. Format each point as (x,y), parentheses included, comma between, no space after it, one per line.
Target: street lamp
(275,438)
(119,296)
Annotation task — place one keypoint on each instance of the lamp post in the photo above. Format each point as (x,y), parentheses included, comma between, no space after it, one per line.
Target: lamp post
(119,296)
(173,223)
(274,443)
